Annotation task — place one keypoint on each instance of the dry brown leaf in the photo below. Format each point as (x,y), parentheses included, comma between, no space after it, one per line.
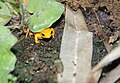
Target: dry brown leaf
(76,49)
(112,76)
(75,20)
(115,54)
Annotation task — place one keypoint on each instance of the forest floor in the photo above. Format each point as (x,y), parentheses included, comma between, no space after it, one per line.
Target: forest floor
(39,63)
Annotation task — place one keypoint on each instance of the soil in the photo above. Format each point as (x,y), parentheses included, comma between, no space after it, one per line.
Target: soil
(40,63)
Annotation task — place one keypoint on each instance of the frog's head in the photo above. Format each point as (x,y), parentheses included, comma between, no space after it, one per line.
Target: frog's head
(47,33)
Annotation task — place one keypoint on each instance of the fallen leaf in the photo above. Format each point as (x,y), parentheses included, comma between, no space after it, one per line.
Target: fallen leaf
(113,55)
(112,76)
(76,49)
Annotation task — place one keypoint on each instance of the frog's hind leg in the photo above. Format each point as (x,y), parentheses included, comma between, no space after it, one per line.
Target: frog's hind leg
(31,33)
(27,32)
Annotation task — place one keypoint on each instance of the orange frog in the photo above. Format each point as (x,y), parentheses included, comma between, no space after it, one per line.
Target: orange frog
(46,33)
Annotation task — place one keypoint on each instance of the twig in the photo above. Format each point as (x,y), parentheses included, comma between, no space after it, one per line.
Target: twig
(22,8)
(108,48)
(11,9)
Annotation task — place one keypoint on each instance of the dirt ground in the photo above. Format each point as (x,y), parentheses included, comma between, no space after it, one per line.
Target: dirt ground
(40,63)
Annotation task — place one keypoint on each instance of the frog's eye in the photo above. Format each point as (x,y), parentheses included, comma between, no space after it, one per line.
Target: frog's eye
(43,34)
(51,32)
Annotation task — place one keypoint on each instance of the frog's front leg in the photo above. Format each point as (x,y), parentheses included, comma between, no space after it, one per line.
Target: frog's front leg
(52,32)
(37,37)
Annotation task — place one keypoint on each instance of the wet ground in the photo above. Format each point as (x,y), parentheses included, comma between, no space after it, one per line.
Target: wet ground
(40,63)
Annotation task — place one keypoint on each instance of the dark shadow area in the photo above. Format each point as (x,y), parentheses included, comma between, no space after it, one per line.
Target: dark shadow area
(58,21)
(111,66)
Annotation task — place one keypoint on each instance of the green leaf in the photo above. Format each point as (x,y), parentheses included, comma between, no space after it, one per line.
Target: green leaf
(45,13)
(7,58)
(5,15)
